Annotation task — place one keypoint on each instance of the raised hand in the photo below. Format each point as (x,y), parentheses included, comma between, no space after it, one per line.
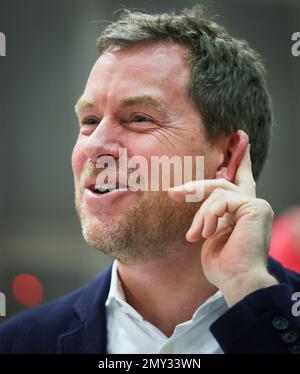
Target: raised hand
(237,228)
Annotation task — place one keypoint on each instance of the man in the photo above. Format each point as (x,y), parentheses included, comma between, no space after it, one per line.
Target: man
(188,277)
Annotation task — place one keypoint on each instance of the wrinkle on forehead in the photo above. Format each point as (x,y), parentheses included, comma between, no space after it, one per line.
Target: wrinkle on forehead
(159,70)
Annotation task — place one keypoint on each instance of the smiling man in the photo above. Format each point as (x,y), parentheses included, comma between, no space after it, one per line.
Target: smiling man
(128,104)
(187,277)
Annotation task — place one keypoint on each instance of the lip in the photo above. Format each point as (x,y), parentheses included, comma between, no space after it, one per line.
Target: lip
(96,201)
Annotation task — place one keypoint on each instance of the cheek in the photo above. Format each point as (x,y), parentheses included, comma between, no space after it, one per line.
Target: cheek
(78,160)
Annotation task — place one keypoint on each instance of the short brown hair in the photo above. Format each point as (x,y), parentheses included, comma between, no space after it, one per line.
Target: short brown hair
(227,77)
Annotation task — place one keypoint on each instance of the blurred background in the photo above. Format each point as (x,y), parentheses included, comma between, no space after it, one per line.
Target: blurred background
(51,47)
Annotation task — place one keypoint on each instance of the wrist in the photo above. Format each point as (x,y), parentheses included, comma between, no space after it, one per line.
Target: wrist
(241,286)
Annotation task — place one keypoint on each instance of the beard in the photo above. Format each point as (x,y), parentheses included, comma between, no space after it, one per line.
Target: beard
(152,229)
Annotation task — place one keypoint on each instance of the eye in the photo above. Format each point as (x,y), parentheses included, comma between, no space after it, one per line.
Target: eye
(140,118)
(90,121)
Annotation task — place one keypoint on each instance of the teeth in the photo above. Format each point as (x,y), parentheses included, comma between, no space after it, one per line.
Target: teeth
(105,187)
(108,187)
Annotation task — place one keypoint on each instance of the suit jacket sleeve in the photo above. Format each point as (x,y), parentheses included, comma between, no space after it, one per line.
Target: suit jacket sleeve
(261,323)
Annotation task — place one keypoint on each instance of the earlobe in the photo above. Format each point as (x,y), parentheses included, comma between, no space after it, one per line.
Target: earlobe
(235,150)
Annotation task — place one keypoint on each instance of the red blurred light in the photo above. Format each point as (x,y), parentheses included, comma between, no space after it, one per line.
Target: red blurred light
(28,290)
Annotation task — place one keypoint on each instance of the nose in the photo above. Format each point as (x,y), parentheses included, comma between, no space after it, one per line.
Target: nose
(103,141)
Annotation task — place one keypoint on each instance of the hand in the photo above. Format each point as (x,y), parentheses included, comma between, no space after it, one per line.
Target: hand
(237,228)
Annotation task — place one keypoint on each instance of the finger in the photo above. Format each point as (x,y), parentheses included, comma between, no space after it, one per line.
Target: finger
(218,209)
(244,177)
(211,217)
(194,232)
(225,221)
(206,186)
(217,241)
(205,222)
(192,191)
(210,224)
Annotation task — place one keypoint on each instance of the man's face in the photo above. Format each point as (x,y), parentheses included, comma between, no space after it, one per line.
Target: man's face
(135,99)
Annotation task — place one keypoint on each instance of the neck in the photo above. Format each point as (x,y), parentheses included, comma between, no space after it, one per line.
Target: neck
(167,291)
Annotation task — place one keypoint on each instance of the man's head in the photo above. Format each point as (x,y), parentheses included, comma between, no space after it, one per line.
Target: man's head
(169,84)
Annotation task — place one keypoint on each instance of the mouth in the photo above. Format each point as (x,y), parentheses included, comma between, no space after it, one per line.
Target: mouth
(97,197)
(104,189)
(91,185)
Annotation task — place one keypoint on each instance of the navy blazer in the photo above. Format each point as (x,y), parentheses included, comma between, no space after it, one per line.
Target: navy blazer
(260,323)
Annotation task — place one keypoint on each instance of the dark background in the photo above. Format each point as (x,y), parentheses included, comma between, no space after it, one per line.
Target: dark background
(50,50)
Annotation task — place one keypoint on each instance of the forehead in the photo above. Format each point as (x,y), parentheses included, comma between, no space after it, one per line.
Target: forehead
(160,70)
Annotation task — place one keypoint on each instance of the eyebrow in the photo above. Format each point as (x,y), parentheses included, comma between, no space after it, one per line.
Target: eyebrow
(82,105)
(146,101)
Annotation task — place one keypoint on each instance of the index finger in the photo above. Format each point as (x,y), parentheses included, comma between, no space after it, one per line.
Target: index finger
(244,177)
(201,189)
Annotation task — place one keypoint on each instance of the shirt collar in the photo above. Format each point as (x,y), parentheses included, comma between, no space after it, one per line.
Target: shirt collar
(116,296)
(116,290)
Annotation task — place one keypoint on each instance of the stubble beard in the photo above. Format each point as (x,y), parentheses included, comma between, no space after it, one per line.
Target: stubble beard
(153,228)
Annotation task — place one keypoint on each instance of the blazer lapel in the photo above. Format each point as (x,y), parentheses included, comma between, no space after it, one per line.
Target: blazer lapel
(87,332)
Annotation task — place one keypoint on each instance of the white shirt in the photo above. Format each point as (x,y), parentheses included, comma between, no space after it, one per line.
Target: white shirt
(128,332)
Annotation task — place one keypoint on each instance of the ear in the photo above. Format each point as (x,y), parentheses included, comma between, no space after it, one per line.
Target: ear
(234,149)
